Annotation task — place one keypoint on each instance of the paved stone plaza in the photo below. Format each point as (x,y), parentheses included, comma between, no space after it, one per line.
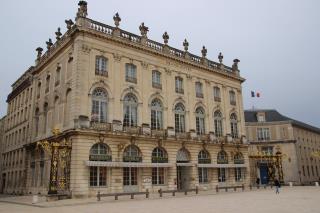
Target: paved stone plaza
(297,199)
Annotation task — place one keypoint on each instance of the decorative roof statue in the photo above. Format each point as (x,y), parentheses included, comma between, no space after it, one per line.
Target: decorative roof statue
(117,20)
(82,10)
(143,30)
(39,50)
(165,37)
(204,52)
(186,45)
(69,24)
(235,65)
(49,43)
(58,34)
(220,57)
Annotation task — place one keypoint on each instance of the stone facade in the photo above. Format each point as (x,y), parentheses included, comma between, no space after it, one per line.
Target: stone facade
(298,143)
(116,97)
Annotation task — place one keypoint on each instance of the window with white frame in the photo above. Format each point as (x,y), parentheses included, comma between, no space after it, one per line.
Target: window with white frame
(100,152)
(179,85)
(158,176)
(261,118)
(232,96)
(222,157)
(156,114)
(200,121)
(101,66)
(267,150)
(216,94)
(130,110)
(98,176)
(218,123)
(159,155)
(203,175)
(199,92)
(156,79)
(99,106)
(131,73)
(222,175)
(179,118)
(234,125)
(263,134)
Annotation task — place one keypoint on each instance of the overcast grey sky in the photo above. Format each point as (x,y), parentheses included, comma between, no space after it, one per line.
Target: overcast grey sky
(277,41)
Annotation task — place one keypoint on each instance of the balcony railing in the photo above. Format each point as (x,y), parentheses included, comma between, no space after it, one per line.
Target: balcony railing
(132,129)
(156,159)
(222,161)
(204,161)
(158,133)
(199,95)
(131,79)
(132,159)
(100,126)
(238,161)
(100,157)
(156,85)
(102,72)
(217,99)
(233,103)
(179,90)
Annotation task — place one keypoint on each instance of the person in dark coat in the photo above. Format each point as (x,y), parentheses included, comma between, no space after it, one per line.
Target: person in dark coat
(258,181)
(277,185)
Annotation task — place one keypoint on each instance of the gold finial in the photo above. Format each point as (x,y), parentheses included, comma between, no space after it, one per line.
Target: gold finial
(55,131)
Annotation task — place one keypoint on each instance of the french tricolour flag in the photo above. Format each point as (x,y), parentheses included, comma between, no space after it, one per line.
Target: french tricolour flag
(255,94)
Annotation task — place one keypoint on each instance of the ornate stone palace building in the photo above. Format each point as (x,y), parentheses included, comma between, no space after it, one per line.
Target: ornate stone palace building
(281,147)
(128,114)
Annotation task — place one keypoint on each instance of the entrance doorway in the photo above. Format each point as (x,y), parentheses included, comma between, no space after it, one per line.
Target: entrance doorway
(264,176)
(183,177)
(130,179)
(3,183)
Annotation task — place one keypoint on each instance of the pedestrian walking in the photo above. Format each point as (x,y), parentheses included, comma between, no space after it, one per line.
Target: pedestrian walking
(277,185)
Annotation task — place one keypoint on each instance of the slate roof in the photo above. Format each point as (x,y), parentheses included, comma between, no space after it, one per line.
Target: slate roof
(272,115)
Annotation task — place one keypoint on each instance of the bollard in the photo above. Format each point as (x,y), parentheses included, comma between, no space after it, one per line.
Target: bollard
(174,193)
(226,189)
(217,189)
(98,196)
(116,197)
(185,192)
(197,190)
(317,184)
(160,192)
(250,186)
(234,188)
(290,184)
(132,196)
(242,187)
(147,194)
(258,186)
(35,199)
(265,186)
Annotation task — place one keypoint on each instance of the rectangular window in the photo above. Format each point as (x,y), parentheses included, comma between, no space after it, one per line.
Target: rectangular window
(156,79)
(238,174)
(222,175)
(130,176)
(217,94)
(232,96)
(179,123)
(101,66)
(179,85)
(157,176)
(263,134)
(203,175)
(57,78)
(98,176)
(199,92)
(131,73)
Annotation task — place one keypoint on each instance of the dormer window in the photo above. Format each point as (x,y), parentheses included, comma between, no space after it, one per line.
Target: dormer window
(261,117)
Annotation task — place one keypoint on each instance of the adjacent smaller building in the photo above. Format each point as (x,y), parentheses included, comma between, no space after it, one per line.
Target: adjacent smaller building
(1,149)
(281,147)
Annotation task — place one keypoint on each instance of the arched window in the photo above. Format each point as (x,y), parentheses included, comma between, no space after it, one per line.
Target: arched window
(204,157)
(234,125)
(39,90)
(47,84)
(130,108)
(132,154)
(100,152)
(218,123)
(159,155)
(156,114)
(200,121)
(183,156)
(222,157)
(238,158)
(56,116)
(179,118)
(99,106)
